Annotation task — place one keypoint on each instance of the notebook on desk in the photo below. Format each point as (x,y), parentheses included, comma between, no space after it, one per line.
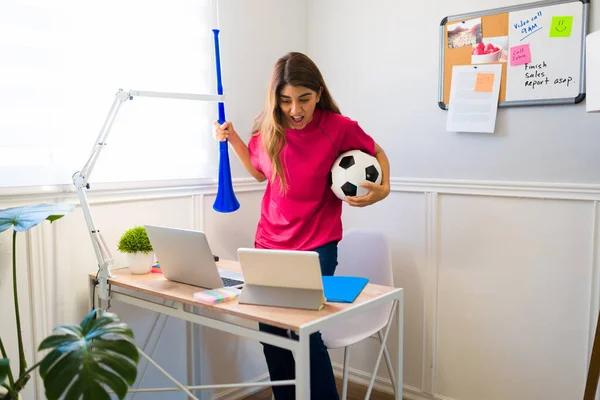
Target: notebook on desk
(343,289)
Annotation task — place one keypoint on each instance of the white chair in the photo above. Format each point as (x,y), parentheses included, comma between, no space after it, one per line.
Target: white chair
(367,254)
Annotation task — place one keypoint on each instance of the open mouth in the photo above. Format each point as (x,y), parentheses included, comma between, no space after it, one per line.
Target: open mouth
(297,121)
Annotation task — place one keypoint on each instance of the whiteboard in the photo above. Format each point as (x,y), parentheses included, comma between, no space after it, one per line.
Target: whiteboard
(555,69)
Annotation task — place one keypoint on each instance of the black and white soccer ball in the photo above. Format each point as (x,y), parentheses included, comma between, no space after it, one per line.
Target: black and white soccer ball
(350,169)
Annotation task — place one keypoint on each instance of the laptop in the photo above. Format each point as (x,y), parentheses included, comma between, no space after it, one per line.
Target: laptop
(185,256)
(282,278)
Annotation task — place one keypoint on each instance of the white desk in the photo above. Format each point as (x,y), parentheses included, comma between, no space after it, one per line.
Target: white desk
(303,322)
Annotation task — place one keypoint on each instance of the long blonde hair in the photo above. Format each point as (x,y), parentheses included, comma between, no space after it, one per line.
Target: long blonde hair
(295,69)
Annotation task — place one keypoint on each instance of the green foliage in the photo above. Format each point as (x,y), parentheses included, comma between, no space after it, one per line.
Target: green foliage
(86,358)
(4,368)
(135,240)
(24,218)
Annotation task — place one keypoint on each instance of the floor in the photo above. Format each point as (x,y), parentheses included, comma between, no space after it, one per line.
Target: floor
(355,392)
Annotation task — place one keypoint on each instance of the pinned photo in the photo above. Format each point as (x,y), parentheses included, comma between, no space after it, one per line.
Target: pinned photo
(464,33)
(490,50)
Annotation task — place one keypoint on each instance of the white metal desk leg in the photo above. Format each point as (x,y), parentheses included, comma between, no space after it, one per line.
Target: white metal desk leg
(400,316)
(302,358)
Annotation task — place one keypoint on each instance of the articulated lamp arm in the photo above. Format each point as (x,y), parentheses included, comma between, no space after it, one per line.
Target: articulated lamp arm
(81,178)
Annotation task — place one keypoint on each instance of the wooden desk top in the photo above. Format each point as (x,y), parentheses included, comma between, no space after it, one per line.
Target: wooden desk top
(288,318)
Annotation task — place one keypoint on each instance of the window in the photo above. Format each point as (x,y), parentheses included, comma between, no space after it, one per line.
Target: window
(61,63)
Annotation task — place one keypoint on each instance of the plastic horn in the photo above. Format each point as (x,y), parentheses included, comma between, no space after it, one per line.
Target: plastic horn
(225,201)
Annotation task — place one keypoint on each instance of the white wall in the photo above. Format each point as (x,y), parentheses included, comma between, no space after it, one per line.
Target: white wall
(500,269)
(253,35)
(380,59)
(501,278)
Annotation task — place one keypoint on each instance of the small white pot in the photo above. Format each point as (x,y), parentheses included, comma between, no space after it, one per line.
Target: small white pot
(140,263)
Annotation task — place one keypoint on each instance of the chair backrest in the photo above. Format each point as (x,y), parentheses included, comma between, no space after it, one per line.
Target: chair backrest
(365,253)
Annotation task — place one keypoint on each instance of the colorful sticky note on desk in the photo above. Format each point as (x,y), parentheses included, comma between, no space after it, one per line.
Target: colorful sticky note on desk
(561,26)
(520,55)
(219,295)
(484,82)
(156,269)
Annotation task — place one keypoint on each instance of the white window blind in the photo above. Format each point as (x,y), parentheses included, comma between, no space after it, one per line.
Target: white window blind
(61,63)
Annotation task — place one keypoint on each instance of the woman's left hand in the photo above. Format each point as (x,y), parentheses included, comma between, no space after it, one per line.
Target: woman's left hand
(376,193)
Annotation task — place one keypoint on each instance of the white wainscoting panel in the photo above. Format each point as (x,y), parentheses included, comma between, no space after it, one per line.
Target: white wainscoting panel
(501,279)
(402,217)
(229,231)
(228,358)
(74,247)
(514,282)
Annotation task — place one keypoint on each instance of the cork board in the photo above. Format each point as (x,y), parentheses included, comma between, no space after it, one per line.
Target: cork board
(554,69)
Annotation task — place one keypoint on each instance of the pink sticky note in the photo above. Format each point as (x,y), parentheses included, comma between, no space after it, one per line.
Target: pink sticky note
(520,55)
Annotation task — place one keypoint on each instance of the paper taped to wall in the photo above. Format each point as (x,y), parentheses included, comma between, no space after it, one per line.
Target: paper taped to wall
(474,92)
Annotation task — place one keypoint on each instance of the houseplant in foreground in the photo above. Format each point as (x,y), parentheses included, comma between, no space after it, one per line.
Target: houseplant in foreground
(83,359)
(136,245)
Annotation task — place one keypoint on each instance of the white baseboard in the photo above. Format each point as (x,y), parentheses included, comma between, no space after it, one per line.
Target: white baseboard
(354,375)
(383,385)
(242,392)
(363,378)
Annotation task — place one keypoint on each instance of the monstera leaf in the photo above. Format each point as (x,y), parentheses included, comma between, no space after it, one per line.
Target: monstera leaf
(86,359)
(24,218)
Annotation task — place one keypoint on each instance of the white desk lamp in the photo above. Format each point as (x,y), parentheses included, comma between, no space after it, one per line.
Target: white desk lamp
(225,200)
(81,178)
(592,54)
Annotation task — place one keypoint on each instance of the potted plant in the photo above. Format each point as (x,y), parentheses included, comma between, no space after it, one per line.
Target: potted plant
(83,360)
(136,245)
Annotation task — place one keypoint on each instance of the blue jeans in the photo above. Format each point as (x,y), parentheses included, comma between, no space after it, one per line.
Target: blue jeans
(281,362)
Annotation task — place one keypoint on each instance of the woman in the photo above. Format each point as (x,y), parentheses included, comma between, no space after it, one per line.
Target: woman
(293,145)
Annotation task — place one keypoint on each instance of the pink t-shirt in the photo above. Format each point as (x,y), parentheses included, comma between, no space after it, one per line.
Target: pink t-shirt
(309,214)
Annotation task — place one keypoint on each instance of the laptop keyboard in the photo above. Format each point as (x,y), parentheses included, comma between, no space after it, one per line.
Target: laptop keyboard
(227,282)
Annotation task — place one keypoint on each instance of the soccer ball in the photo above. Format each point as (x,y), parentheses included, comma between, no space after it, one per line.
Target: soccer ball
(350,169)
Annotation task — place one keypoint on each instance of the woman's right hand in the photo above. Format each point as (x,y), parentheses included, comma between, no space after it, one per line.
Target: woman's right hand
(225,131)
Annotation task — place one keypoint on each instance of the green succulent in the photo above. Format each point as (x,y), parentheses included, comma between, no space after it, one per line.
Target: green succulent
(135,240)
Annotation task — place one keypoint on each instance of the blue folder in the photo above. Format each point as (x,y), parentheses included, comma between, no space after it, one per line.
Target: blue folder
(343,289)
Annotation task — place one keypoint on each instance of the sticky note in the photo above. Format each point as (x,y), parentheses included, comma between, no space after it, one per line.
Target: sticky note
(561,26)
(520,55)
(484,82)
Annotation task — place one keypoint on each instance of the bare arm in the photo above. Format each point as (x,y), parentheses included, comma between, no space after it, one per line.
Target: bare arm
(226,131)
(243,154)
(385,168)
(377,192)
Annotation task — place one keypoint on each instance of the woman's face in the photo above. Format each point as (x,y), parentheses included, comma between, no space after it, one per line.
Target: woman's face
(297,105)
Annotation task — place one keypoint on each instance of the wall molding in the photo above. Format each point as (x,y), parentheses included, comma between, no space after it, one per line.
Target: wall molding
(537,190)
(109,193)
